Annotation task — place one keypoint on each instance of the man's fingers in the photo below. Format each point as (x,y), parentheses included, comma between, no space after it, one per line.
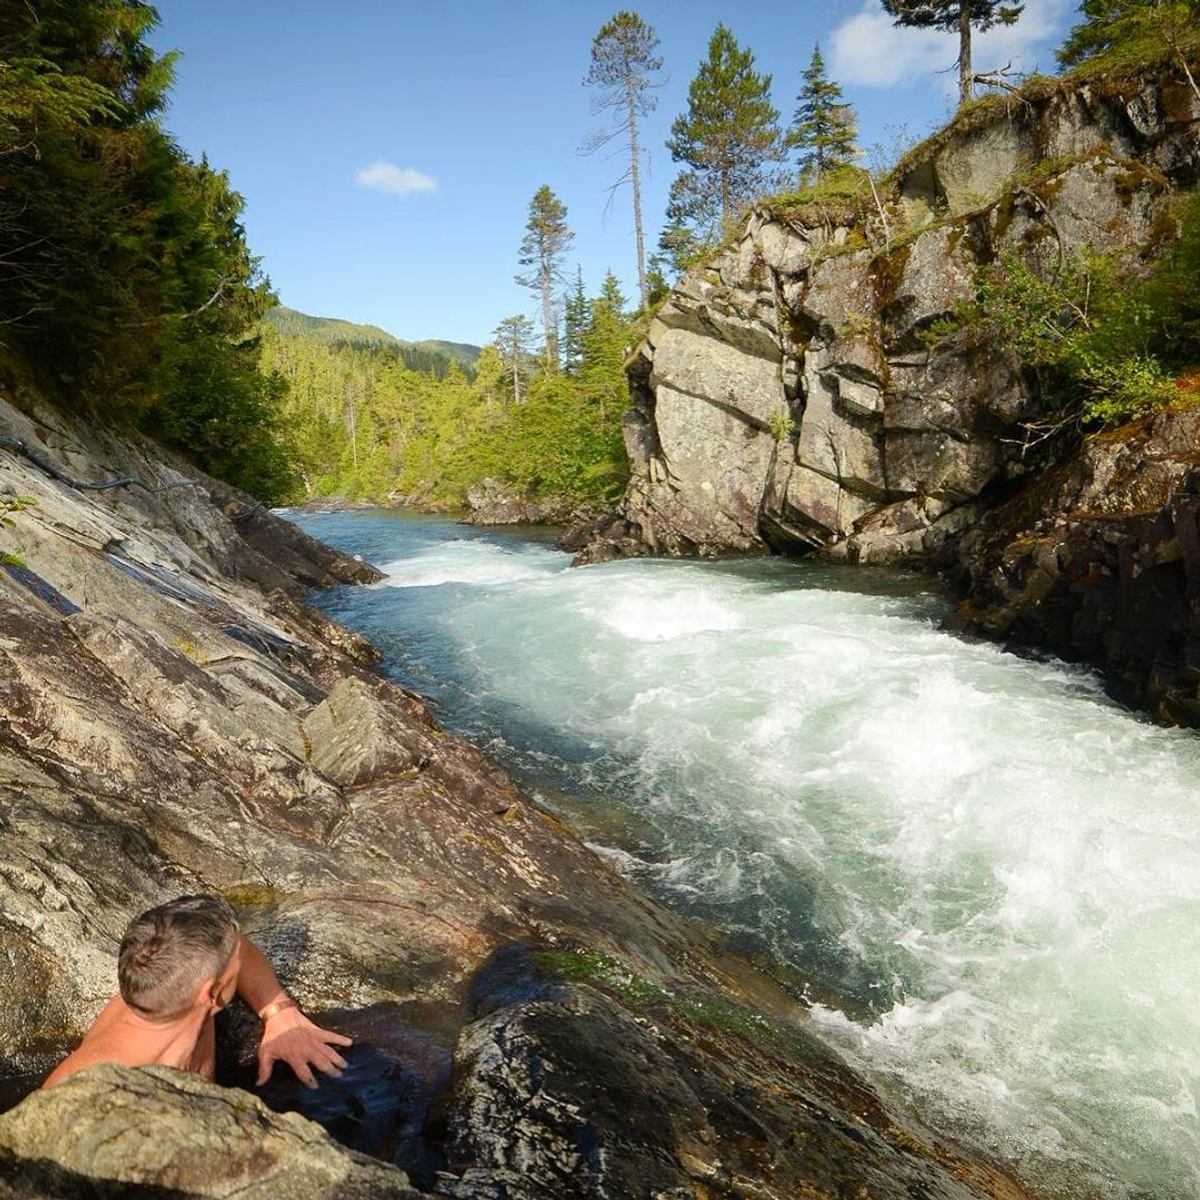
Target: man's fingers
(305,1074)
(336,1039)
(336,1059)
(265,1062)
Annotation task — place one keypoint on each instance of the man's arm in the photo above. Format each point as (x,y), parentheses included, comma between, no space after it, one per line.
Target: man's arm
(288,1035)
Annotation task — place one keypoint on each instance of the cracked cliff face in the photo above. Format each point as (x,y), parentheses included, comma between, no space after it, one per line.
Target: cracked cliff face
(786,397)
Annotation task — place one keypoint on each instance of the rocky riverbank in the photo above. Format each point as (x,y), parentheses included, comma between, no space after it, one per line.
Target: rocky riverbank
(174,719)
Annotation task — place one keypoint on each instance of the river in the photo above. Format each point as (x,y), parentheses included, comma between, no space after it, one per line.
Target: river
(988,873)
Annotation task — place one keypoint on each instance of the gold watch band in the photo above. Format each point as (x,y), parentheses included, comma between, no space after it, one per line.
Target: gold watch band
(277,1006)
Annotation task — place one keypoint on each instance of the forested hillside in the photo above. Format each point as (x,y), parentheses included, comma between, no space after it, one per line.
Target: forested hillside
(366,418)
(432,357)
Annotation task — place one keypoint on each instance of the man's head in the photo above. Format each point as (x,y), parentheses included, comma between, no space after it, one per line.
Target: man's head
(178,956)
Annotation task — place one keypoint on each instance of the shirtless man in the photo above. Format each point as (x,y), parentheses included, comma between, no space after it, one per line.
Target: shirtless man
(178,966)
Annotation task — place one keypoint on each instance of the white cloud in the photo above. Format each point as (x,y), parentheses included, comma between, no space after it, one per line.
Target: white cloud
(384,176)
(869,50)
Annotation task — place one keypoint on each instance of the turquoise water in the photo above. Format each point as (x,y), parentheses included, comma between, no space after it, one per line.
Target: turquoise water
(989,873)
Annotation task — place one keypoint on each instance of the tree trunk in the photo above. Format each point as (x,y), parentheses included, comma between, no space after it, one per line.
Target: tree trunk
(637,193)
(549,328)
(352,413)
(965,82)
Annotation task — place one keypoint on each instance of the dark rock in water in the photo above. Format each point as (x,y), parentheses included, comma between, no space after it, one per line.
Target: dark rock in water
(1099,562)
(154,1132)
(604,539)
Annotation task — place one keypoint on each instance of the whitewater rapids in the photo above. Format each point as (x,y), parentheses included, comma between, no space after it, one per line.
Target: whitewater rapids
(989,873)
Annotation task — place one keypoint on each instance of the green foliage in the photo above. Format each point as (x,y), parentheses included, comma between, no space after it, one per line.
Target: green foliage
(824,127)
(1115,30)
(513,338)
(727,140)
(359,423)
(1109,348)
(430,357)
(781,425)
(125,270)
(10,504)
(947,14)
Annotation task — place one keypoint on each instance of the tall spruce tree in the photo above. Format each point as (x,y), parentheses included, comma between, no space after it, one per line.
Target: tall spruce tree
(962,16)
(542,250)
(575,317)
(824,127)
(727,139)
(626,68)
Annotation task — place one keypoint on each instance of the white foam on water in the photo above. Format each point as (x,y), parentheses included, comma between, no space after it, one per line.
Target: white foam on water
(478,563)
(1003,863)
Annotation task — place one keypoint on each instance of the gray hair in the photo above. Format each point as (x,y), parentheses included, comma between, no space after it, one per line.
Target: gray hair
(169,951)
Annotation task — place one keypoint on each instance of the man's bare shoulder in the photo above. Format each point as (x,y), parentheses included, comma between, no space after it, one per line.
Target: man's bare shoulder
(119,1036)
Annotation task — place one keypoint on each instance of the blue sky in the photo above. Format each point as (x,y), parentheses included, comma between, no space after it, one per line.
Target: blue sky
(388,150)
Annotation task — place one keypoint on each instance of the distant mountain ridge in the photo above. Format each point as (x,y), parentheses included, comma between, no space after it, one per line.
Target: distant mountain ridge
(332,330)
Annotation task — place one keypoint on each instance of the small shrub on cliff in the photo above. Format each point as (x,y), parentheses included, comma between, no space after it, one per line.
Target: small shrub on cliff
(781,424)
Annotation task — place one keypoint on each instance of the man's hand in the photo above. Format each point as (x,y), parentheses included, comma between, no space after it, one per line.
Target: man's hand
(290,1037)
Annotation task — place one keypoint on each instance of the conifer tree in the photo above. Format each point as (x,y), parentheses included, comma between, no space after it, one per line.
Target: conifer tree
(512,338)
(962,16)
(625,69)
(727,139)
(575,315)
(542,249)
(824,126)
(604,342)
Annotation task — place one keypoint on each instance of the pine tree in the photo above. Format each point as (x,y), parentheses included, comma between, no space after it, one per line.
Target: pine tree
(575,312)
(542,249)
(727,139)
(604,345)
(512,338)
(1108,24)
(951,15)
(625,68)
(824,126)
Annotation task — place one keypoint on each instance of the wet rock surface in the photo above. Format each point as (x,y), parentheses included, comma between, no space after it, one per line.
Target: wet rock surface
(1098,561)
(525,1023)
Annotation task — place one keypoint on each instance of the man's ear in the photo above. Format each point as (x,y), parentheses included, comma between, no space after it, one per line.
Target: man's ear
(207,994)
